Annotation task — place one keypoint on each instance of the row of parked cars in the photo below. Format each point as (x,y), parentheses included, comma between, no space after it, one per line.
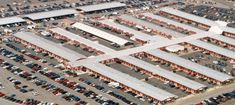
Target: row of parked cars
(40,59)
(29,76)
(120,97)
(10,98)
(77,87)
(218,99)
(65,82)
(23,89)
(17,84)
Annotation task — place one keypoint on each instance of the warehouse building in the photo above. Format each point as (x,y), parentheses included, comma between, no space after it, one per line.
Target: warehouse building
(11,21)
(57,14)
(100,7)
(102,34)
(57,51)
(130,83)
(60,33)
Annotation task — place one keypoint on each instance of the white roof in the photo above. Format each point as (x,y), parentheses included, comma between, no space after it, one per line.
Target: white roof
(130,81)
(190,65)
(228,29)
(151,26)
(213,48)
(195,18)
(100,33)
(103,6)
(224,39)
(136,34)
(11,20)
(163,73)
(50,14)
(174,48)
(49,46)
(216,30)
(82,40)
(169,21)
(221,23)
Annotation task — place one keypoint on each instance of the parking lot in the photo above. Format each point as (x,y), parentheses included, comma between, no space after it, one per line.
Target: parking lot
(99,40)
(10,90)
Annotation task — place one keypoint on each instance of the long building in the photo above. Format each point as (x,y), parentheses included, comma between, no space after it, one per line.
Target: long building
(228,31)
(11,20)
(171,22)
(83,42)
(51,14)
(101,34)
(164,75)
(44,45)
(213,48)
(131,83)
(158,29)
(180,15)
(136,35)
(102,6)
(197,68)
(224,39)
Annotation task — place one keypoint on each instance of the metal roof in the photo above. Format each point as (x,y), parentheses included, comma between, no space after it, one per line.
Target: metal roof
(190,65)
(51,14)
(82,40)
(224,39)
(52,47)
(130,81)
(100,33)
(136,34)
(103,6)
(151,26)
(11,20)
(195,18)
(169,21)
(213,48)
(227,29)
(163,73)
